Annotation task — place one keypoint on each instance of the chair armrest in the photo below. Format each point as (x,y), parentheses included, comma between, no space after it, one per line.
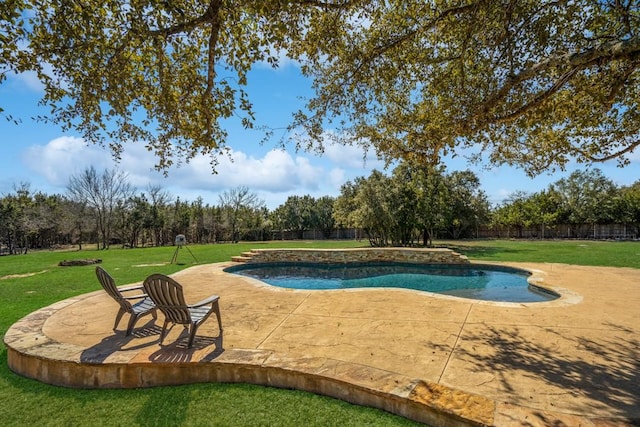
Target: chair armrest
(137,296)
(130,288)
(133,288)
(211,299)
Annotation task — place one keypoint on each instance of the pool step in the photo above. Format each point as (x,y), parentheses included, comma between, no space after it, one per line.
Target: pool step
(244,257)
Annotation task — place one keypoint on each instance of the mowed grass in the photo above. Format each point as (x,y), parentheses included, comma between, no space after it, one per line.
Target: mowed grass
(29,282)
(578,252)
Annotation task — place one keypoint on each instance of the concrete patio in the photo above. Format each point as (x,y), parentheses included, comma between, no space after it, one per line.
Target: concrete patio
(435,359)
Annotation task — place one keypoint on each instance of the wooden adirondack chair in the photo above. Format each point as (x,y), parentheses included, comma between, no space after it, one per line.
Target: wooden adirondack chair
(167,295)
(137,305)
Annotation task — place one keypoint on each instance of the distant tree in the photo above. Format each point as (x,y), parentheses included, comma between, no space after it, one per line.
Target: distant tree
(403,206)
(197,220)
(545,208)
(586,197)
(31,220)
(323,215)
(467,204)
(205,222)
(47,218)
(415,202)
(515,212)
(6,228)
(374,209)
(345,204)
(214,223)
(133,217)
(297,214)
(14,221)
(626,207)
(238,205)
(433,197)
(78,220)
(159,200)
(101,193)
(257,224)
(178,218)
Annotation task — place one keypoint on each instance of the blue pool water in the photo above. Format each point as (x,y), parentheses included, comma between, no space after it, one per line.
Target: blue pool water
(483,282)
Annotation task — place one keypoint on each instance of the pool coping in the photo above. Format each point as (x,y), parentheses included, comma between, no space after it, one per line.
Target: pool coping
(535,280)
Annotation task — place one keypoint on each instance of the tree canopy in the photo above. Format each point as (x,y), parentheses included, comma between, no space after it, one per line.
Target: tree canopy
(534,83)
(167,74)
(526,82)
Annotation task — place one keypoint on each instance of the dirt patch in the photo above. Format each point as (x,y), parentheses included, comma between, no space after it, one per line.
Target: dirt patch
(150,265)
(76,262)
(17,276)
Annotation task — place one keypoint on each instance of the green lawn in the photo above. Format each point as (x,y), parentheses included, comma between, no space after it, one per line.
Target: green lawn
(579,252)
(42,282)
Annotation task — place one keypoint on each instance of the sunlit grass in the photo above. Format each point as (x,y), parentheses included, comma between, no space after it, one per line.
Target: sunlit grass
(578,252)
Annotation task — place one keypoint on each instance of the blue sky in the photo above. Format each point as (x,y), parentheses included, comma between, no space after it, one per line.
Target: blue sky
(45,157)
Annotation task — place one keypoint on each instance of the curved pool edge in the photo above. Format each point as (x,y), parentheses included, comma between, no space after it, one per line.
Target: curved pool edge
(536,280)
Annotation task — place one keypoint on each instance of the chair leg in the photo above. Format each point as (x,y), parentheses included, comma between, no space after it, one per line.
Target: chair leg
(132,322)
(118,317)
(192,334)
(164,331)
(216,309)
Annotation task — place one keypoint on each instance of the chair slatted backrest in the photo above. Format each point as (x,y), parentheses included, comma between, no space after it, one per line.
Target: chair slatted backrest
(110,287)
(169,298)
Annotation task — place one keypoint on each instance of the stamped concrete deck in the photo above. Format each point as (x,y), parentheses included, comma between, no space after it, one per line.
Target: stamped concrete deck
(435,359)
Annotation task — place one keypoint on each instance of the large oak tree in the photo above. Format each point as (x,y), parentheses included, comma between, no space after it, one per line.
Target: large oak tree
(529,82)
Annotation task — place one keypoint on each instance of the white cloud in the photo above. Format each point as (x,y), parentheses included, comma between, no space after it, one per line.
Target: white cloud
(30,80)
(275,171)
(273,175)
(63,157)
(344,152)
(283,58)
(350,156)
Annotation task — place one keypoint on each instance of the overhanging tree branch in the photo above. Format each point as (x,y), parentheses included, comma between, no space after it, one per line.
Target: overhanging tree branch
(620,49)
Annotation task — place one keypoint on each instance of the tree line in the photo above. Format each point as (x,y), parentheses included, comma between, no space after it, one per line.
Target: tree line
(417,204)
(411,206)
(578,203)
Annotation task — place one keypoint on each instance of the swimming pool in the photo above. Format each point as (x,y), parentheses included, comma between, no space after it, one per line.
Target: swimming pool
(483,282)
